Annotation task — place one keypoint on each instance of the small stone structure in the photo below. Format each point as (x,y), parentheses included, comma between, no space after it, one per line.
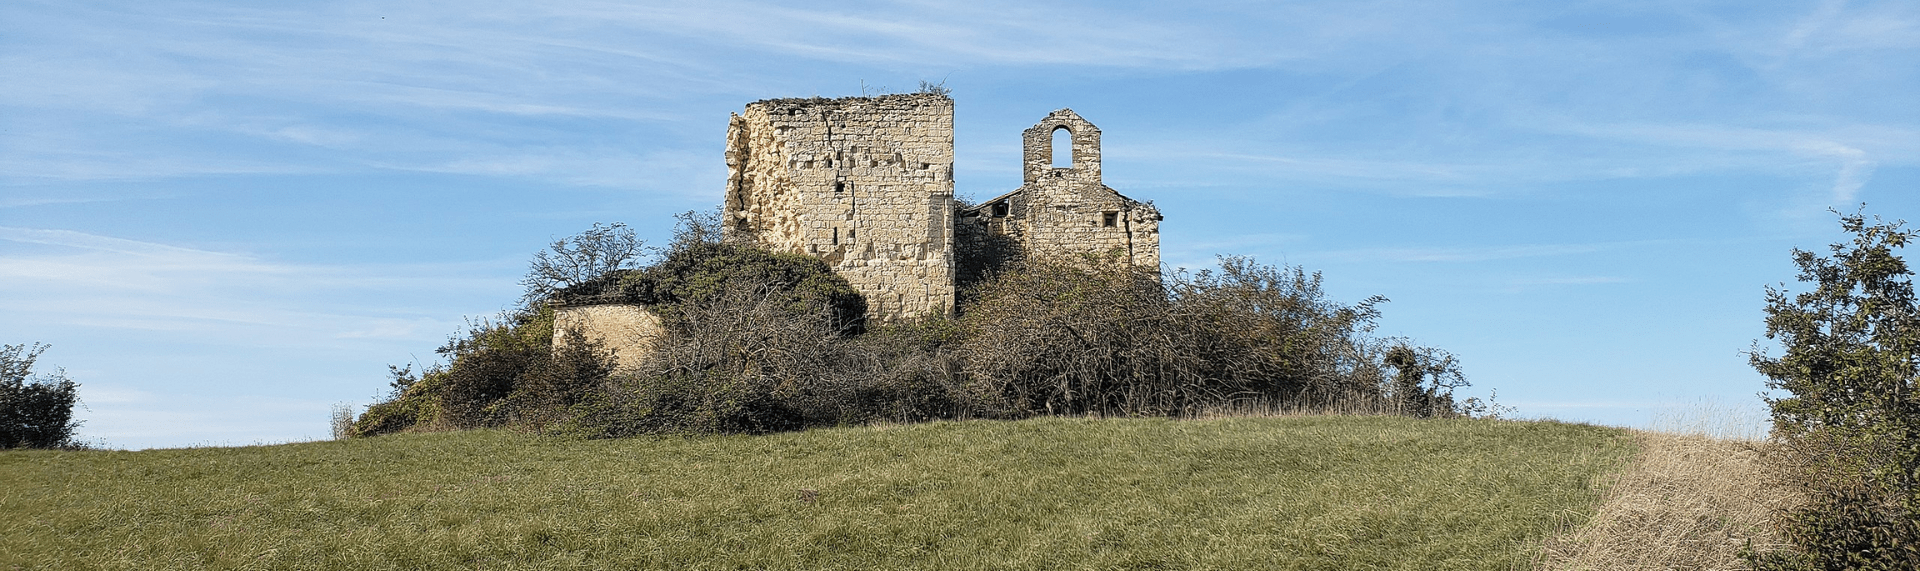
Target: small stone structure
(1060,210)
(631,331)
(866,184)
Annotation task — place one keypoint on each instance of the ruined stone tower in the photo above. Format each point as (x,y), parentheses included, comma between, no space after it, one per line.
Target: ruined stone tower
(865,183)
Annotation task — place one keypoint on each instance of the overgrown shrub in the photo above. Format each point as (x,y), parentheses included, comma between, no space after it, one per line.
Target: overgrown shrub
(1271,333)
(750,363)
(1069,336)
(1095,334)
(756,342)
(1849,423)
(36,411)
(699,270)
(743,363)
(499,372)
(1423,380)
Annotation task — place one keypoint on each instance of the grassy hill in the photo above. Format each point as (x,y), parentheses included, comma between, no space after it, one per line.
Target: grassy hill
(1248,493)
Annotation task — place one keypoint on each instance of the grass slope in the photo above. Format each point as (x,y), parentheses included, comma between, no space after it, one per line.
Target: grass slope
(1273,493)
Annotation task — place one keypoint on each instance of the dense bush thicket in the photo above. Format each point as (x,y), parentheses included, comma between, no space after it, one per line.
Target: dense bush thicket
(36,411)
(1099,335)
(762,342)
(1849,423)
(500,372)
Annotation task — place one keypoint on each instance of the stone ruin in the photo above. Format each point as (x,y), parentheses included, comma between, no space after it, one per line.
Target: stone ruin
(1060,209)
(866,184)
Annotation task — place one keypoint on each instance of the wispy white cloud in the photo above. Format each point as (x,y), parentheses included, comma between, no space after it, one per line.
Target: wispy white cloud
(26,201)
(1855,168)
(399,86)
(396,329)
(131,418)
(1474,254)
(993,33)
(85,241)
(1572,280)
(1834,26)
(101,281)
(668,171)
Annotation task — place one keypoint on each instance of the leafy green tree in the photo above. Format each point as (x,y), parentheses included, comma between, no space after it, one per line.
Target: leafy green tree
(1849,416)
(36,411)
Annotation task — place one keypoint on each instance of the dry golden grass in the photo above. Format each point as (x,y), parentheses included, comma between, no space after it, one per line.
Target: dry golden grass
(1687,501)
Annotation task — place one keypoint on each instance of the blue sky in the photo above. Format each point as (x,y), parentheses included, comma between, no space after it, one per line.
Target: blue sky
(227,217)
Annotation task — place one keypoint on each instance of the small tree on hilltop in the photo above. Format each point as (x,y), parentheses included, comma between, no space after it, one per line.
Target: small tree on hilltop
(582,258)
(35,411)
(1850,419)
(1424,379)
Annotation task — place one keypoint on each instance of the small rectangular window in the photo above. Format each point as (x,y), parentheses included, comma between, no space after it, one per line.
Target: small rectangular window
(1109,219)
(999,210)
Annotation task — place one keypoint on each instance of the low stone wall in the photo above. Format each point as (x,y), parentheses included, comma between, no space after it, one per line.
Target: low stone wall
(631,331)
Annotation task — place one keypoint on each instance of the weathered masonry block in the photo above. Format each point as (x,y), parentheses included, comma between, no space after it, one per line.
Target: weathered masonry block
(631,331)
(865,183)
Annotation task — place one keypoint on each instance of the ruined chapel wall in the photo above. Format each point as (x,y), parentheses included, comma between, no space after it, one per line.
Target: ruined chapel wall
(1070,210)
(1061,220)
(864,183)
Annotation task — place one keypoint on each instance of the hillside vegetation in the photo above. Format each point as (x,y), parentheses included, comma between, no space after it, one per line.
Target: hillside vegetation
(755,341)
(1048,493)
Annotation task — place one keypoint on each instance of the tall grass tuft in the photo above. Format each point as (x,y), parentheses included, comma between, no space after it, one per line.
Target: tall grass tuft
(1713,419)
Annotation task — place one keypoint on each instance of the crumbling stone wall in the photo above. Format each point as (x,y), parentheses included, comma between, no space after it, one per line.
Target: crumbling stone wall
(631,331)
(1060,209)
(865,183)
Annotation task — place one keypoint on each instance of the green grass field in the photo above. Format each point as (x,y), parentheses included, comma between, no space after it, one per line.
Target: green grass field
(1249,493)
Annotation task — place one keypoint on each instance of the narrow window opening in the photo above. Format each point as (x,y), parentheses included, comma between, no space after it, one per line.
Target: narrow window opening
(839,186)
(836,236)
(1109,219)
(999,210)
(850,233)
(1062,148)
